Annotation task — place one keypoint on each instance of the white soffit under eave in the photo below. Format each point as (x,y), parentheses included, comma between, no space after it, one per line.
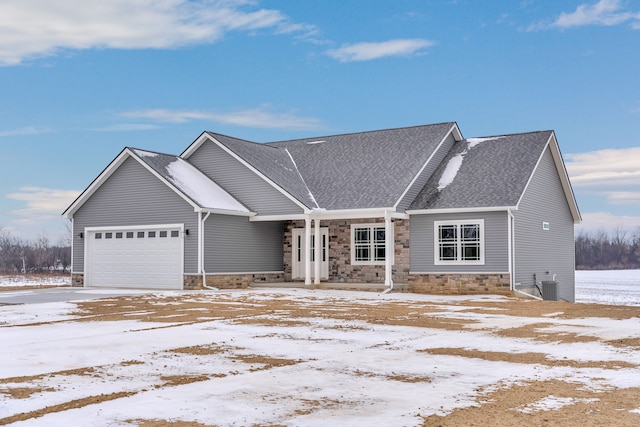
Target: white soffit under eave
(205,136)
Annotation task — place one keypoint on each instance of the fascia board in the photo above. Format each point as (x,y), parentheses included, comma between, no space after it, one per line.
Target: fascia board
(461,210)
(251,168)
(456,134)
(334,214)
(552,144)
(193,147)
(564,179)
(96,183)
(226,212)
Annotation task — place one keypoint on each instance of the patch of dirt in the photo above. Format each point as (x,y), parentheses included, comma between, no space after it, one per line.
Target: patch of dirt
(175,380)
(267,362)
(524,405)
(72,404)
(528,358)
(23,392)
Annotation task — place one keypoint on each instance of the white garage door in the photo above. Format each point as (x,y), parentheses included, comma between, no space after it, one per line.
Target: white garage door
(135,257)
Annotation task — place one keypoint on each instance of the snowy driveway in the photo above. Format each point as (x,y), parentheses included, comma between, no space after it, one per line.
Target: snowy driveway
(45,295)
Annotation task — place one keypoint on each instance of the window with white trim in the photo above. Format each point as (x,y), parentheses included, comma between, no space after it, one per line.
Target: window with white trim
(459,242)
(367,244)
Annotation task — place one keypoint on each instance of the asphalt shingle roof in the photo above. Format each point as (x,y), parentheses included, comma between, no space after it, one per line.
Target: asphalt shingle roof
(494,172)
(350,171)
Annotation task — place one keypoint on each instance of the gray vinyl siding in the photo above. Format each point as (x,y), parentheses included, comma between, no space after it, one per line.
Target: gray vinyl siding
(241,182)
(134,196)
(538,251)
(426,173)
(496,250)
(233,244)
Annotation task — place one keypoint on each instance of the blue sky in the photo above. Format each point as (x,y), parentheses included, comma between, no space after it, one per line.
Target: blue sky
(81,80)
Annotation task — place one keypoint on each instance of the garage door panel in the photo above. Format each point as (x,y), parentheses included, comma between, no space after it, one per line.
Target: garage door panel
(138,258)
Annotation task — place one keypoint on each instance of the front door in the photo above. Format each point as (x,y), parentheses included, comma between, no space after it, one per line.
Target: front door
(299,254)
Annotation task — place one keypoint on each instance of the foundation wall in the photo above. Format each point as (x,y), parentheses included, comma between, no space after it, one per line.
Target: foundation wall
(460,284)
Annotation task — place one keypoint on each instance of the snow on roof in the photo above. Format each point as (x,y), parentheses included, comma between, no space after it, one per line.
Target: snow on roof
(455,163)
(143,153)
(201,189)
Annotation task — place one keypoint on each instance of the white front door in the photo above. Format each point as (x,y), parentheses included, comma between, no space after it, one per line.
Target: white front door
(299,254)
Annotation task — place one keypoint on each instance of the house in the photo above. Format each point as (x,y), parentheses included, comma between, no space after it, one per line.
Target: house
(418,206)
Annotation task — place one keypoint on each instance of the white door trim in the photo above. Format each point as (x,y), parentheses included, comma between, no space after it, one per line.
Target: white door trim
(298,254)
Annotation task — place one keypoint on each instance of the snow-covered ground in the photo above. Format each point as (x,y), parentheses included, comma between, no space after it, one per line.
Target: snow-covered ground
(257,369)
(615,287)
(25,281)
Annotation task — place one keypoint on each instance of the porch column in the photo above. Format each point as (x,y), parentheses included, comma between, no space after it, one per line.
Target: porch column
(388,249)
(307,251)
(317,248)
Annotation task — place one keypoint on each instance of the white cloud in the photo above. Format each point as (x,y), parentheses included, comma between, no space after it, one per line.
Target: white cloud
(613,174)
(604,12)
(368,51)
(255,118)
(35,28)
(595,222)
(126,127)
(28,130)
(42,204)
(605,168)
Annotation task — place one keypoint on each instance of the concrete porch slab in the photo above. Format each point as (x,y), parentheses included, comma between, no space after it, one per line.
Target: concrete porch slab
(365,287)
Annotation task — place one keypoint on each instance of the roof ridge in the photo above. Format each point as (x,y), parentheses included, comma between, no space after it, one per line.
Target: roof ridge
(359,133)
(511,134)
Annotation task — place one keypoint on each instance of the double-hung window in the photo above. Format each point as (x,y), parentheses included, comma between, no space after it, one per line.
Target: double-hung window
(367,244)
(459,242)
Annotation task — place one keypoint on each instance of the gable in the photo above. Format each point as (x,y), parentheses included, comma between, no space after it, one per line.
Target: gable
(183,179)
(240,180)
(483,172)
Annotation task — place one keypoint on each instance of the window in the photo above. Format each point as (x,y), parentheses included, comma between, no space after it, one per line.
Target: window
(108,235)
(98,235)
(163,234)
(367,244)
(119,235)
(151,234)
(459,242)
(140,234)
(175,233)
(129,234)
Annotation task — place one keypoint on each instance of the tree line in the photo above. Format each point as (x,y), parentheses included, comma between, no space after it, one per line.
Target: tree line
(38,256)
(618,249)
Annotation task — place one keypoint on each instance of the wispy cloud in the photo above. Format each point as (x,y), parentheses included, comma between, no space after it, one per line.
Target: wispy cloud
(604,12)
(595,222)
(367,51)
(35,28)
(254,118)
(612,173)
(28,130)
(41,204)
(126,127)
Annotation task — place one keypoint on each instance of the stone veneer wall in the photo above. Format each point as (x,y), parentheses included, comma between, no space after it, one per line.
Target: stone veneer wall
(231,281)
(77,280)
(340,268)
(460,284)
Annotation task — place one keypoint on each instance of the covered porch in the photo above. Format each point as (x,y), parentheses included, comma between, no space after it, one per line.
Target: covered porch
(366,248)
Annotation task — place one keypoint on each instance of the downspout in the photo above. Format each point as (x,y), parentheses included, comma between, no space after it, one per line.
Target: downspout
(512,279)
(389,252)
(201,244)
